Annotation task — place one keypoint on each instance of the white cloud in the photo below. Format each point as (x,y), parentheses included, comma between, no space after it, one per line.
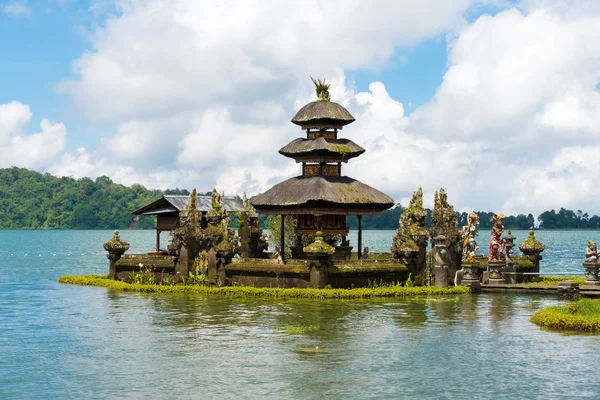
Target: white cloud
(159,58)
(16,8)
(202,95)
(82,163)
(32,151)
(569,180)
(13,117)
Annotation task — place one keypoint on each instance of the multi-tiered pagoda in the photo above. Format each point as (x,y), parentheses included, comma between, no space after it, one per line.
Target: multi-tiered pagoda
(321,198)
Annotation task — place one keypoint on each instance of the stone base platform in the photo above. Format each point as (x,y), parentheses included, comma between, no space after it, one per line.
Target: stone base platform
(584,291)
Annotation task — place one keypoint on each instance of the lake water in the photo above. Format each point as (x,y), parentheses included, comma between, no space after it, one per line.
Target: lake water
(65,341)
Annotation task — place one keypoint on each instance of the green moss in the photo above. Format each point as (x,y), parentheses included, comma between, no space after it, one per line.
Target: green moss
(362,267)
(270,266)
(319,246)
(342,149)
(555,280)
(247,291)
(580,316)
(532,244)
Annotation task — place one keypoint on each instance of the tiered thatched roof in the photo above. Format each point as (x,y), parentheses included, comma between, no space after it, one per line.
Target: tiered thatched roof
(329,149)
(332,194)
(322,113)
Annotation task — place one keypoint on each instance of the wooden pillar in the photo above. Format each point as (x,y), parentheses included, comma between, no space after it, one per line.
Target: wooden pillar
(282,243)
(158,240)
(359,236)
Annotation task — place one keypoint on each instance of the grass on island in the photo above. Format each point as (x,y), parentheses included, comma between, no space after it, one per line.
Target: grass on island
(248,291)
(555,280)
(580,316)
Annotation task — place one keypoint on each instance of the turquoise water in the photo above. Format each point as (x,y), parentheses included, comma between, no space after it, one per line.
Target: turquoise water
(64,341)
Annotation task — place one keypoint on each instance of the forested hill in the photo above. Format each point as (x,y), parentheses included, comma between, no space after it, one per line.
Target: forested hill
(30,200)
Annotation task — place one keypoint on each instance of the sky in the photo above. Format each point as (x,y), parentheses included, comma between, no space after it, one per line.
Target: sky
(497,101)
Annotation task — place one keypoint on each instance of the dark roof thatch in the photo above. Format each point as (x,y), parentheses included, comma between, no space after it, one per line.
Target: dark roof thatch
(329,194)
(342,148)
(170,204)
(320,113)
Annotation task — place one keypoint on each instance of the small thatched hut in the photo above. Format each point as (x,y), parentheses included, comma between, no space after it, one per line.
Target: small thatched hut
(168,207)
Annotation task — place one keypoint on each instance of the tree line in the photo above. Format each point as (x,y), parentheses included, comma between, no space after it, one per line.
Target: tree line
(31,200)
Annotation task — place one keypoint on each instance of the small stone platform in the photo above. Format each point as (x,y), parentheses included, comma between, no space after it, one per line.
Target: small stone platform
(536,289)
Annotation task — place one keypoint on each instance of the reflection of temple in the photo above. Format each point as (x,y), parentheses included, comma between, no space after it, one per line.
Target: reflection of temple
(321,198)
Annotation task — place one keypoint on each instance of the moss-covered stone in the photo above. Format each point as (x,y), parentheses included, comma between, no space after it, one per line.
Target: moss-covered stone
(531,244)
(366,267)
(319,246)
(254,265)
(412,230)
(133,261)
(116,245)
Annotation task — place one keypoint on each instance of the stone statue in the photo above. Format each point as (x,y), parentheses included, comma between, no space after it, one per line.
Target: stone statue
(444,222)
(496,243)
(409,242)
(469,232)
(365,254)
(591,252)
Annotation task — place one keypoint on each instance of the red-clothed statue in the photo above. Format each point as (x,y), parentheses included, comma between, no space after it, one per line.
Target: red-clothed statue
(496,243)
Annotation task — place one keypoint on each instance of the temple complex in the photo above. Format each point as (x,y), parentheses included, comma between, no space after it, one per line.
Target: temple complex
(321,197)
(205,249)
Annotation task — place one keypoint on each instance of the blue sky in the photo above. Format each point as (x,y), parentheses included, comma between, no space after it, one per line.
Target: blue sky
(446,93)
(41,47)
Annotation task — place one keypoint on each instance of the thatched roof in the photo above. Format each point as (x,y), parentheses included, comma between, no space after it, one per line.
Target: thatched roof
(335,148)
(322,113)
(174,204)
(328,194)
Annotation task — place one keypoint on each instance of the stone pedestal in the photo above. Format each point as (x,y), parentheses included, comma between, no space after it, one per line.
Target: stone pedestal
(568,290)
(212,271)
(471,276)
(318,275)
(591,269)
(116,248)
(496,268)
(441,276)
(510,275)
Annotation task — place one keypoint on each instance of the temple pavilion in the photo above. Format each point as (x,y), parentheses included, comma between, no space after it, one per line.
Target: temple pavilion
(321,198)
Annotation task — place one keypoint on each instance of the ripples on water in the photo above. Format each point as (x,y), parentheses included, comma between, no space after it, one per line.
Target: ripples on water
(63,341)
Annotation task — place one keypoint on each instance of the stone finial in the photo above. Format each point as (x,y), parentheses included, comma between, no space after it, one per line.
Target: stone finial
(116,245)
(319,246)
(444,220)
(531,246)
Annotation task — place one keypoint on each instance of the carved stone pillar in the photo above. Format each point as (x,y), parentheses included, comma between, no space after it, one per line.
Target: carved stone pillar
(470,276)
(441,259)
